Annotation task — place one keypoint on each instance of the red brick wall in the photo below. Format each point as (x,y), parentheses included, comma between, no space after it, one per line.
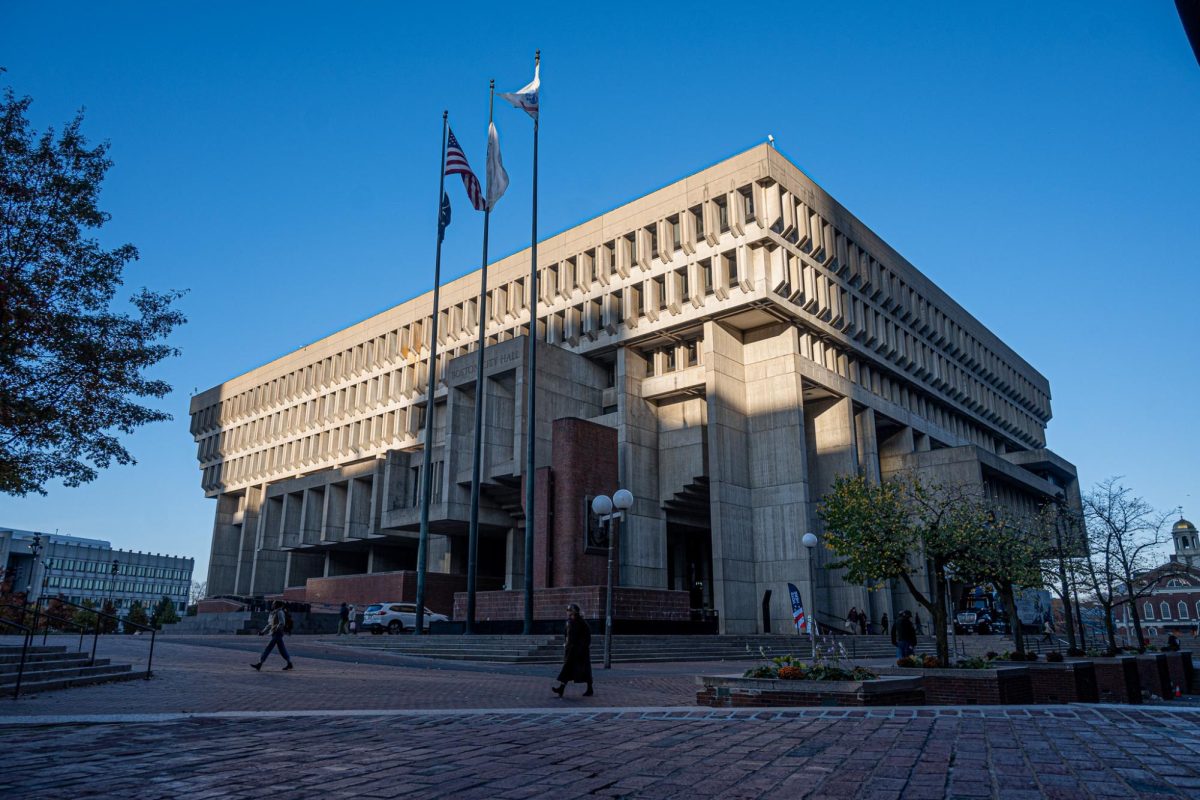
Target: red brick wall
(1069,682)
(218,606)
(628,603)
(965,687)
(1152,671)
(585,463)
(1117,680)
(399,586)
(1176,671)
(543,489)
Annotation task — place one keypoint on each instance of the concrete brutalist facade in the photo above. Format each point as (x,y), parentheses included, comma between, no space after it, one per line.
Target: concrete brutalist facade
(748,338)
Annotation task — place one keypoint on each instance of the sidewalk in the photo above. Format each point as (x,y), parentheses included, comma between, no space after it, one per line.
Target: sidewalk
(348,723)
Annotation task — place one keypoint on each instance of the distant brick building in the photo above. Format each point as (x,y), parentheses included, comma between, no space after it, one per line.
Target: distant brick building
(1173,605)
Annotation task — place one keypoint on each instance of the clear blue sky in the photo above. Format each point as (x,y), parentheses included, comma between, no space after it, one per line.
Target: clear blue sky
(1039,161)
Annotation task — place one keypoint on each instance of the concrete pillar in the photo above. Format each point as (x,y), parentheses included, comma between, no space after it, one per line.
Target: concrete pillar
(642,544)
(778,472)
(270,562)
(731,513)
(832,453)
(226,546)
(312,515)
(333,523)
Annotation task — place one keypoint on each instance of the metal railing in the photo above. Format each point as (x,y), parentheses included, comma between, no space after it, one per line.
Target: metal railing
(45,621)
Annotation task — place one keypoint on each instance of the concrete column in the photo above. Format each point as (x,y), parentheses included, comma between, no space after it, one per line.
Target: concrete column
(778,470)
(642,545)
(832,452)
(730,498)
(868,444)
(333,524)
(226,547)
(312,514)
(358,509)
(270,562)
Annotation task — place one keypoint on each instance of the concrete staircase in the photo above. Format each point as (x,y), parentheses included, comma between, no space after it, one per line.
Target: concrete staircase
(625,649)
(49,668)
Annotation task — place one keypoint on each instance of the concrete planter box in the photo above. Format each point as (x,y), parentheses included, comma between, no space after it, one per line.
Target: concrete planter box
(737,692)
(1154,674)
(1117,679)
(969,687)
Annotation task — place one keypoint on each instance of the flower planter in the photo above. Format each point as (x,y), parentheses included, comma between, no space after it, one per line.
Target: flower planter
(1117,679)
(1154,674)
(969,687)
(737,692)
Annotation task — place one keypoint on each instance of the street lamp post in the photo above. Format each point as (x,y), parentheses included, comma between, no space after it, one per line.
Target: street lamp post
(810,541)
(116,565)
(613,510)
(35,547)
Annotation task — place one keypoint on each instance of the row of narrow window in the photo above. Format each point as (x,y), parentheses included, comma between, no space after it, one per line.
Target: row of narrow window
(1164,610)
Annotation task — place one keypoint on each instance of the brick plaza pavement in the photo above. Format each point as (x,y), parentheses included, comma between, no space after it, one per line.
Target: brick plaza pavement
(349,724)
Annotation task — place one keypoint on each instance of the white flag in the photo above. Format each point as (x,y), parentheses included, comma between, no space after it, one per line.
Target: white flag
(526,98)
(497,178)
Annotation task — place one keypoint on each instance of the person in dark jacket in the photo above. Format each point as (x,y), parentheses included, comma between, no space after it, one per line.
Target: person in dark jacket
(343,620)
(904,635)
(883,623)
(577,654)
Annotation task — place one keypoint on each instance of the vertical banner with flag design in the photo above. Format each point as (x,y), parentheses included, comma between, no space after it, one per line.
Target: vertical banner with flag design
(797,609)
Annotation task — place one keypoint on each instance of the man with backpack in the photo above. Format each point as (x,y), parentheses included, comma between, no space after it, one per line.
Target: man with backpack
(279,623)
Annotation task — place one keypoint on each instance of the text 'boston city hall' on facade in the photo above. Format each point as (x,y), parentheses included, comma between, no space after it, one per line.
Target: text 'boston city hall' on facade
(723,347)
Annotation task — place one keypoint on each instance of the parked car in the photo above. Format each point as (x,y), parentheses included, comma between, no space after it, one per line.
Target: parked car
(396,617)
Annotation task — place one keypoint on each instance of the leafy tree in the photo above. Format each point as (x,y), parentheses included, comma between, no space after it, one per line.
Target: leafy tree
(108,624)
(72,367)
(58,614)
(880,532)
(165,613)
(136,616)
(1009,557)
(86,617)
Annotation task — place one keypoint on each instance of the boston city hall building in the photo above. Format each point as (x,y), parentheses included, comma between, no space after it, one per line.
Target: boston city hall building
(723,347)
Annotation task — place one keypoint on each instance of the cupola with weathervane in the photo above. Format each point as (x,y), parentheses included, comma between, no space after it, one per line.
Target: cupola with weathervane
(1187,545)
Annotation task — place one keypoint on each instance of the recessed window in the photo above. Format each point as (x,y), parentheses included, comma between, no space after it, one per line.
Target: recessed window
(1183,610)
(653,231)
(670,359)
(722,214)
(693,353)
(731,263)
(1165,608)
(1148,611)
(698,221)
(676,233)
(748,204)
(706,275)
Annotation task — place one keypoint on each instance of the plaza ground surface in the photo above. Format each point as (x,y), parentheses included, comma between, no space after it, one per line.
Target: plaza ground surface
(355,723)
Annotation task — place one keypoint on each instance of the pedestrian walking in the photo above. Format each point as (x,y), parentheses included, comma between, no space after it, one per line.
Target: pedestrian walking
(1047,631)
(577,654)
(344,620)
(916,622)
(353,616)
(277,625)
(883,623)
(904,635)
(852,618)
(862,623)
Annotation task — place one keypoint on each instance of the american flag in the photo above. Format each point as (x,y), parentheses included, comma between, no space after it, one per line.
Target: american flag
(456,164)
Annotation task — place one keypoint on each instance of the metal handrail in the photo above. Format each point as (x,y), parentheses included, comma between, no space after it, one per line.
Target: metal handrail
(31,631)
(117,619)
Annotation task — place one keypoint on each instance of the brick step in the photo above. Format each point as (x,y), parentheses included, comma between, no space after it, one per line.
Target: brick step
(119,672)
(46,662)
(8,681)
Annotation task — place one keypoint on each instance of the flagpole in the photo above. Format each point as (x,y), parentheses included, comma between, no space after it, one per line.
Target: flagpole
(427,455)
(531,380)
(480,394)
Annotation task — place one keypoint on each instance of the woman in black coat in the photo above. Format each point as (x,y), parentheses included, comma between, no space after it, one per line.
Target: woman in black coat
(577,654)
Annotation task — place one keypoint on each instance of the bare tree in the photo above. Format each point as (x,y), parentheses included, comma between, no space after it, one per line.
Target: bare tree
(1124,532)
(199,592)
